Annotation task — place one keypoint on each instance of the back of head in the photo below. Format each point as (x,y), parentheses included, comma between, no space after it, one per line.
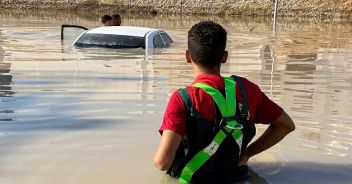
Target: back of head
(116,20)
(115,16)
(207,43)
(105,19)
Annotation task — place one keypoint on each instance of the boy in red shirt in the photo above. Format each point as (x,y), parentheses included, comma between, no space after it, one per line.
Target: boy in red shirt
(207,126)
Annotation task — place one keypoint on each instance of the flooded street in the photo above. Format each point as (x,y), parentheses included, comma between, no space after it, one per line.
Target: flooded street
(70,115)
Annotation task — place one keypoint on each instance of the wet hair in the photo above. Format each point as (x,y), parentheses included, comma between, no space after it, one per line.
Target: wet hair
(207,43)
(105,19)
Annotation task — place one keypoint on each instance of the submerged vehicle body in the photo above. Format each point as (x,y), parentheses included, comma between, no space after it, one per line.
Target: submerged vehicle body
(116,37)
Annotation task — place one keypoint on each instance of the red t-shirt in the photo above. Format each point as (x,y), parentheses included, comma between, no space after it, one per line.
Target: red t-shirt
(261,108)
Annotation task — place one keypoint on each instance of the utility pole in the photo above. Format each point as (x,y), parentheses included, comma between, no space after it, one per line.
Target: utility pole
(275,14)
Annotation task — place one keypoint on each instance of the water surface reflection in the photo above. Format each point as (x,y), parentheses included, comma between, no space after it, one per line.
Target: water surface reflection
(5,84)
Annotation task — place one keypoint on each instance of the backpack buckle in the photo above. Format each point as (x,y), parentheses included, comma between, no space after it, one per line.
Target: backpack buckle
(231,123)
(234,127)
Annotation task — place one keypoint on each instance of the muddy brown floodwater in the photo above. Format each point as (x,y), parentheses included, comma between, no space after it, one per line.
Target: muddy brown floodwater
(70,115)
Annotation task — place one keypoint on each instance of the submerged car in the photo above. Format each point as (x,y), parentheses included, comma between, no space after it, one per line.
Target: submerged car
(116,37)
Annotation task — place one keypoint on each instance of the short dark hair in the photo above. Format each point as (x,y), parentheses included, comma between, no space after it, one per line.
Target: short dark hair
(115,16)
(105,18)
(207,43)
(116,20)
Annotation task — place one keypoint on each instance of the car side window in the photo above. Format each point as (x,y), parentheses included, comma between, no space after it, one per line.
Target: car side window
(166,38)
(157,41)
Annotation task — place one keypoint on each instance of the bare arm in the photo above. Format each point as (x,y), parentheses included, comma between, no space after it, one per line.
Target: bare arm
(276,131)
(165,154)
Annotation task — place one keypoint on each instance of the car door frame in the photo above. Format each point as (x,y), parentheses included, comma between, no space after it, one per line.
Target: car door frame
(73,26)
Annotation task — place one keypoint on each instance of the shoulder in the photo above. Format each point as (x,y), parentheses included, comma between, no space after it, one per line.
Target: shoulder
(175,115)
(247,82)
(176,99)
(264,110)
(250,87)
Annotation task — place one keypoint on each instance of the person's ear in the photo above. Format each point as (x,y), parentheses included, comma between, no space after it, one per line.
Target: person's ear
(224,57)
(188,57)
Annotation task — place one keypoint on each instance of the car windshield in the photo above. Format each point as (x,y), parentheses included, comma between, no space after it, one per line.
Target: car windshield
(110,41)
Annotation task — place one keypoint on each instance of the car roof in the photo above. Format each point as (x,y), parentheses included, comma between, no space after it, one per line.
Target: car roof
(122,30)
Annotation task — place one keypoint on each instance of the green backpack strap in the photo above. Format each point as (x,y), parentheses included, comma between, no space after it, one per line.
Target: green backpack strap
(227,107)
(244,110)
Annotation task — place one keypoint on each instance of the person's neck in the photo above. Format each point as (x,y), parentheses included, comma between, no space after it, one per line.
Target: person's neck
(203,70)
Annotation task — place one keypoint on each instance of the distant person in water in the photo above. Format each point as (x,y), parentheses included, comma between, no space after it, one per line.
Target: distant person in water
(106,20)
(116,20)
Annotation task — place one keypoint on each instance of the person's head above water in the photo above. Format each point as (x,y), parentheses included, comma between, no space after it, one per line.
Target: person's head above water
(106,20)
(116,20)
(206,46)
